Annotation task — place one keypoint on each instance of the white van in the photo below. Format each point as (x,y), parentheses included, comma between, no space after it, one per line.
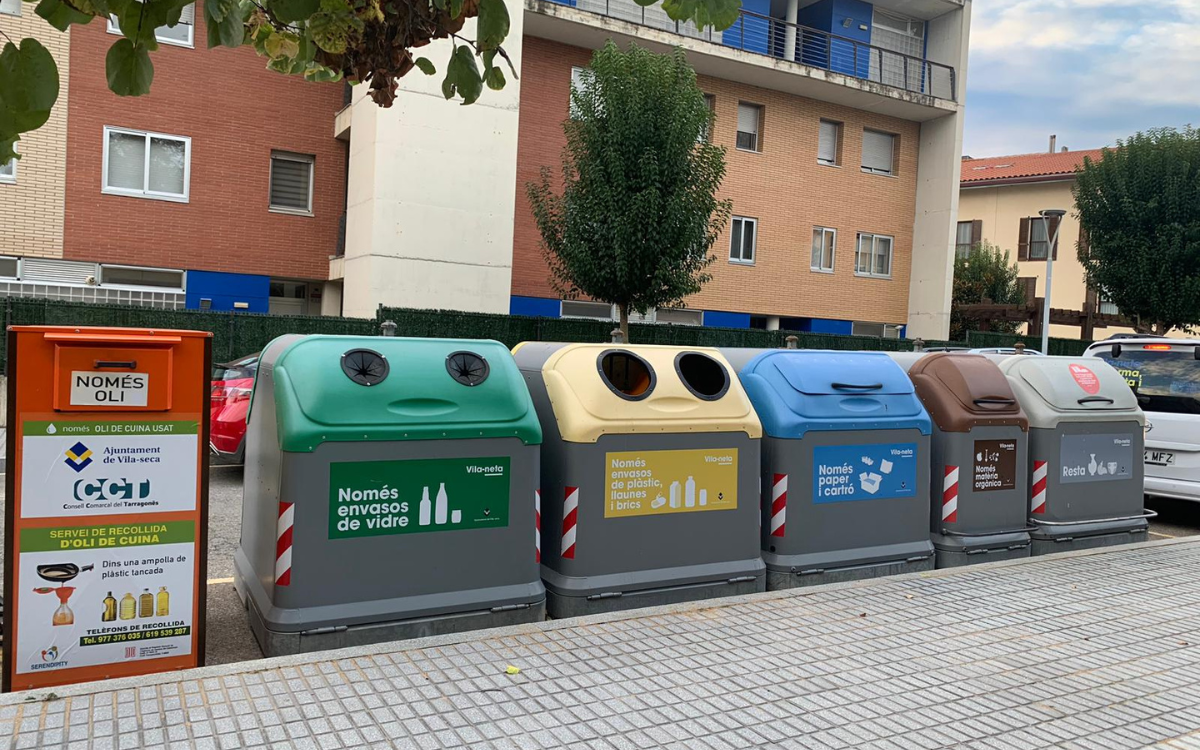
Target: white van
(1165,375)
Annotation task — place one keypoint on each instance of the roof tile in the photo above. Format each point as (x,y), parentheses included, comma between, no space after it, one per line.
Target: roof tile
(1023,166)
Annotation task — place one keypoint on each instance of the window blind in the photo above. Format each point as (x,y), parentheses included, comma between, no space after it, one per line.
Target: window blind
(877,151)
(126,161)
(290,180)
(827,142)
(167,160)
(748,118)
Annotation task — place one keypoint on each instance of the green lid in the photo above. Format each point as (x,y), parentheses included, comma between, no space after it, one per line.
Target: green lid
(353,388)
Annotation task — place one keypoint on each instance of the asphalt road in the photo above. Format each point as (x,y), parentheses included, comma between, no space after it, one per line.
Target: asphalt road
(229,638)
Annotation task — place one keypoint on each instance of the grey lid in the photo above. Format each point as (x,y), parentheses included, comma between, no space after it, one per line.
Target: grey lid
(1072,389)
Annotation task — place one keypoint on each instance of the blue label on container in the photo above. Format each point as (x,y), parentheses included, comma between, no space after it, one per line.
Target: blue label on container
(864,472)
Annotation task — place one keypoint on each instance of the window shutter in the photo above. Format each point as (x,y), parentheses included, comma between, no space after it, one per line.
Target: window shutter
(976,232)
(1053,230)
(289,183)
(827,142)
(748,118)
(1023,241)
(877,151)
(10,7)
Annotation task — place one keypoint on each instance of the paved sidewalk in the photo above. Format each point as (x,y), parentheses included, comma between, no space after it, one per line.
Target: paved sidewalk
(1098,649)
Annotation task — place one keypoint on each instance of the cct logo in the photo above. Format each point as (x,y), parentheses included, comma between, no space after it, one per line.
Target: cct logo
(79,457)
(111,489)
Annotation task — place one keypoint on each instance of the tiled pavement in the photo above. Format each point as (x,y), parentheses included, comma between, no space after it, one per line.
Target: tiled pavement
(1098,649)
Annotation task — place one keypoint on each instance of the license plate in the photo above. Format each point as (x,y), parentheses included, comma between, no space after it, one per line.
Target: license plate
(1160,458)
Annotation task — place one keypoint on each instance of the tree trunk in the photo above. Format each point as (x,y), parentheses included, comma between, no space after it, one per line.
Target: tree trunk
(624,313)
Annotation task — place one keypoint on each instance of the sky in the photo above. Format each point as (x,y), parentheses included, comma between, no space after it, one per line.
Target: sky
(1088,71)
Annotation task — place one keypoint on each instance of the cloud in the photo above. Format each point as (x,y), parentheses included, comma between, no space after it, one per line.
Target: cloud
(1091,71)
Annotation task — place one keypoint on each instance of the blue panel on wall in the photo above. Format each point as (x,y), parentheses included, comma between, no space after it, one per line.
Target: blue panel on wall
(534,307)
(825,325)
(752,33)
(224,289)
(718,319)
(846,57)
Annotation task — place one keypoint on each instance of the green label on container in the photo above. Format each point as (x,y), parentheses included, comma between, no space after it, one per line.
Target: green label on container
(369,498)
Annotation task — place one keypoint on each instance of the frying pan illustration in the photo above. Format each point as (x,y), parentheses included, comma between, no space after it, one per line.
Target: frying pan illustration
(61,572)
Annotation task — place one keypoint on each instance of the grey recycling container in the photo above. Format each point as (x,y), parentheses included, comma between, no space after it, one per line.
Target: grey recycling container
(845,469)
(649,476)
(979,453)
(1086,442)
(390,492)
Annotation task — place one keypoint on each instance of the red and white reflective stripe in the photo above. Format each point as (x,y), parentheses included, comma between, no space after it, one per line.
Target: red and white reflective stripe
(570,517)
(950,495)
(283,544)
(537,525)
(1038,502)
(778,504)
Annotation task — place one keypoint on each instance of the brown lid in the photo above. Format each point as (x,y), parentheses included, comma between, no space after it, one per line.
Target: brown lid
(961,391)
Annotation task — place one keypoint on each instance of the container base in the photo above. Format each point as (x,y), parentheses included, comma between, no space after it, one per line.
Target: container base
(560,606)
(960,557)
(1050,545)
(275,643)
(778,580)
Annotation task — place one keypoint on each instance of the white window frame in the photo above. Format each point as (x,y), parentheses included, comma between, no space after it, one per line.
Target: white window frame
(308,159)
(1041,224)
(146,192)
(11,5)
(10,179)
(958,251)
(579,77)
(870,273)
(886,330)
(16,258)
(826,232)
(837,140)
(760,111)
(114,27)
(182,278)
(754,248)
(891,170)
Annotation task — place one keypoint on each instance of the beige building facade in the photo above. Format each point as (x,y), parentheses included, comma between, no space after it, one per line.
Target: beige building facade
(33,188)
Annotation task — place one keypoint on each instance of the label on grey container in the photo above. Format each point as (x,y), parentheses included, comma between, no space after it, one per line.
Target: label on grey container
(995,465)
(1096,458)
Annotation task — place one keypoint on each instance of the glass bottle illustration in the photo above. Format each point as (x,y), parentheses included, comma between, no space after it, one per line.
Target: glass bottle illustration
(128,607)
(146,604)
(110,609)
(63,615)
(164,602)
(441,506)
(426,508)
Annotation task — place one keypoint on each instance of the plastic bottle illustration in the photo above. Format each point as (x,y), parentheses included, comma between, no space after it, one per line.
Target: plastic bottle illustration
(128,606)
(110,609)
(689,493)
(675,492)
(146,604)
(425,509)
(442,506)
(163,601)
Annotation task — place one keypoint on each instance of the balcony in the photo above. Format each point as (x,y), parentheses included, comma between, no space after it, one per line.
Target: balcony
(812,59)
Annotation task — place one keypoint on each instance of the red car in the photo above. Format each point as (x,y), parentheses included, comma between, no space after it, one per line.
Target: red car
(231,389)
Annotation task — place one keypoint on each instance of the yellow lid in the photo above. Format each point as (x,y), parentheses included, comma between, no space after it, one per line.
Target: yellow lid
(607,389)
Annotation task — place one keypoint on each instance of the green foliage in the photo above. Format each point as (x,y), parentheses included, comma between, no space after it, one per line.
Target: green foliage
(637,212)
(1140,206)
(28,90)
(365,41)
(984,274)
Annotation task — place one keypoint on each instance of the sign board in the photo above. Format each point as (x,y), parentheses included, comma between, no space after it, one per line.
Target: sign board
(995,465)
(105,536)
(650,483)
(882,471)
(1096,458)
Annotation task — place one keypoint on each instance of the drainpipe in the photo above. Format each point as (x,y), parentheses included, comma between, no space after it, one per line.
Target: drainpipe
(789,30)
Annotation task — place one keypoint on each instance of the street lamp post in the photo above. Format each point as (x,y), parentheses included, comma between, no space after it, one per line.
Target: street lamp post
(1046,215)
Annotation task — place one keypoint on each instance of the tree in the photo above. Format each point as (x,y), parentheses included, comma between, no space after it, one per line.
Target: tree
(1140,206)
(638,212)
(984,274)
(364,41)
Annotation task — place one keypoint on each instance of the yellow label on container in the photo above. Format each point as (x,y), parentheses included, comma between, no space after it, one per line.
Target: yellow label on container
(647,483)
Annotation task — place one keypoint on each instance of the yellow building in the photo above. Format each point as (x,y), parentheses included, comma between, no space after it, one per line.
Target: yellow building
(999,200)
(32,188)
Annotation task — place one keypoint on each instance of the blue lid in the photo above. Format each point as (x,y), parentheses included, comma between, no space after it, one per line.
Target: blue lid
(795,391)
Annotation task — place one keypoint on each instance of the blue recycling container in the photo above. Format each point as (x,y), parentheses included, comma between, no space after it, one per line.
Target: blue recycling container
(845,465)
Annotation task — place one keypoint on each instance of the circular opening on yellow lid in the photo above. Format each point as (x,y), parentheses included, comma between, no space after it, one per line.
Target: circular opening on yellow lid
(626,374)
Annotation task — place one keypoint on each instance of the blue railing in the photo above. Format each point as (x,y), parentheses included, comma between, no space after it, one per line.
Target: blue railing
(775,37)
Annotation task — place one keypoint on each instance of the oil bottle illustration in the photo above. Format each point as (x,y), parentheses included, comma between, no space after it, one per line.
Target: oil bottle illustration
(128,609)
(110,609)
(164,602)
(146,604)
